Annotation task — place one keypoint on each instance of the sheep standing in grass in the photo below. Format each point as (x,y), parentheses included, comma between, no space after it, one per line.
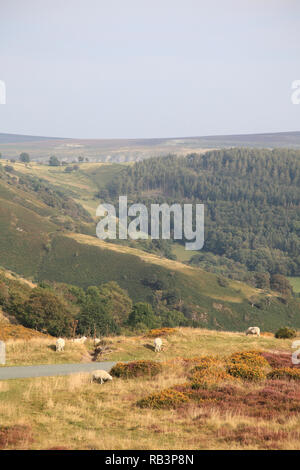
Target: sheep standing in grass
(80,340)
(253,330)
(157,344)
(60,345)
(100,376)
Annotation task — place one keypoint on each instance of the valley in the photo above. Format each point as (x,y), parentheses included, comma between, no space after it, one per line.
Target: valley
(48,215)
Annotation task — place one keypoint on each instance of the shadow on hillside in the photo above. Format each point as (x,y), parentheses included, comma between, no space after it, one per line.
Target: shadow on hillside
(149,346)
(52,347)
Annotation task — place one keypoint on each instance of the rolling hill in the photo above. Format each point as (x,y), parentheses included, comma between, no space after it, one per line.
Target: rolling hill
(125,150)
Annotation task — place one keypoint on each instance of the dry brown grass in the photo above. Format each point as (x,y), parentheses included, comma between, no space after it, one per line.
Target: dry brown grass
(72,412)
(185,342)
(41,350)
(189,343)
(17,332)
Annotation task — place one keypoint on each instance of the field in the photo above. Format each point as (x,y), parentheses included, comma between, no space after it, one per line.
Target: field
(295,282)
(27,347)
(82,184)
(181,253)
(72,413)
(42,351)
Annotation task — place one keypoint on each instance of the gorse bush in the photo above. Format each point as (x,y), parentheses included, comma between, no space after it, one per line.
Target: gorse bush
(223,383)
(209,378)
(136,369)
(161,332)
(246,372)
(251,358)
(168,398)
(208,372)
(286,333)
(284,373)
(205,362)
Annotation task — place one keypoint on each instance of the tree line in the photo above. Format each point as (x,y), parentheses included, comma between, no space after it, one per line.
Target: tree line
(67,310)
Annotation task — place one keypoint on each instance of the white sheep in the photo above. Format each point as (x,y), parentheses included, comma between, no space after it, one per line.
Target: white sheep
(60,344)
(97,341)
(157,344)
(253,330)
(80,340)
(101,375)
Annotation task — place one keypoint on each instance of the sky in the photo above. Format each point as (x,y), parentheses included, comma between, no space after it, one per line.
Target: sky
(141,69)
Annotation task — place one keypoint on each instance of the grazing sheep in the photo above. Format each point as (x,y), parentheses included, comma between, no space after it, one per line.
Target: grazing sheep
(60,344)
(157,344)
(253,330)
(97,341)
(80,340)
(100,376)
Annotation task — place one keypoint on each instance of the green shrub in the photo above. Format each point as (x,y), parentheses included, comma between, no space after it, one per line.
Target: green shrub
(136,369)
(223,282)
(142,314)
(285,333)
(46,312)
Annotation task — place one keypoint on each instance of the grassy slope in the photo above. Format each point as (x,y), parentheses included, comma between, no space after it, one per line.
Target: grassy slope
(189,343)
(27,347)
(181,253)
(73,413)
(82,184)
(41,350)
(23,237)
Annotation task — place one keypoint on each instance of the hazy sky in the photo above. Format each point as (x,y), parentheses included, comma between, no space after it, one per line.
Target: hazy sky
(159,68)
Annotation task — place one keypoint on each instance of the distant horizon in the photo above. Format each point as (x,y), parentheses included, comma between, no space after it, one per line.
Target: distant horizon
(150,138)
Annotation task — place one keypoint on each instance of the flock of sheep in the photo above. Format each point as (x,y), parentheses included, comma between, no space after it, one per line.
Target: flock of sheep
(99,375)
(102,376)
(60,343)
